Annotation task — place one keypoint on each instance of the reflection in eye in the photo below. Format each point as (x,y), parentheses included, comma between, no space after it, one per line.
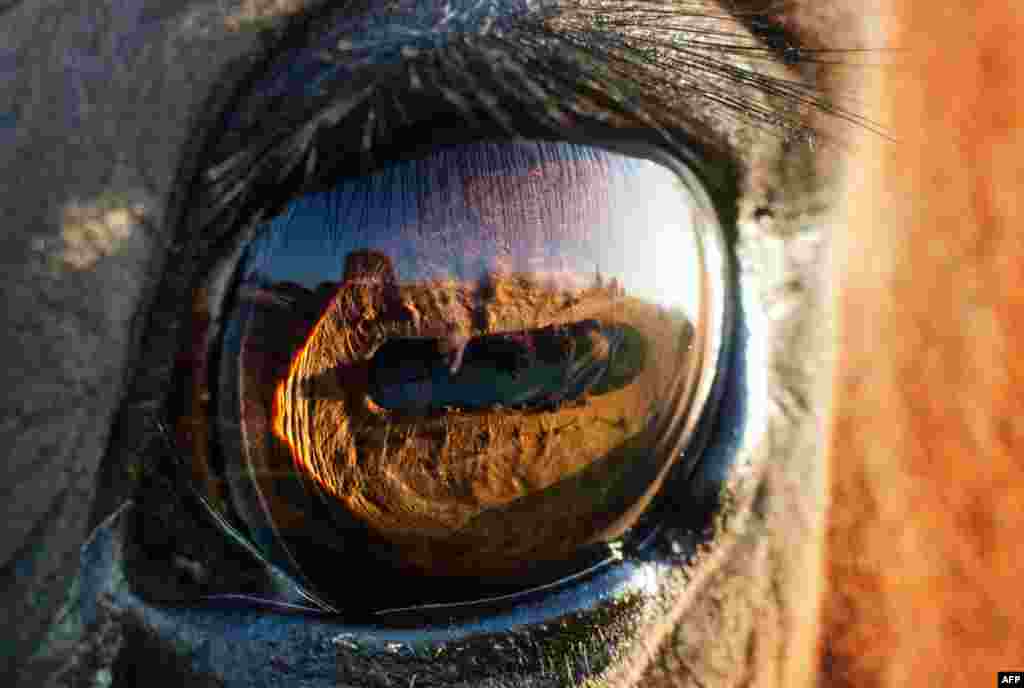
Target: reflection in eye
(477,365)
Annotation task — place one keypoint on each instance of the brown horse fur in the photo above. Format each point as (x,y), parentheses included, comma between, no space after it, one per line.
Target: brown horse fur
(923,580)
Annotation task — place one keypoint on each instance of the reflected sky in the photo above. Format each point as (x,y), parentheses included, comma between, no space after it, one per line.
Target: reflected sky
(567,215)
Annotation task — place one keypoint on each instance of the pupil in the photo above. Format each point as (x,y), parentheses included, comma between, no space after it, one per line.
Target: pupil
(464,366)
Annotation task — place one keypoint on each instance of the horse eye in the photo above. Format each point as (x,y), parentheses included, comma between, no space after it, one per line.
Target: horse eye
(461,375)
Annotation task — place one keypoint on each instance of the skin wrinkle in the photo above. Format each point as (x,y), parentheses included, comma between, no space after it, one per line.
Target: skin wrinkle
(76,139)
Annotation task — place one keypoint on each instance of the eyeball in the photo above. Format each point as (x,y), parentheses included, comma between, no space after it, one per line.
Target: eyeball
(471,370)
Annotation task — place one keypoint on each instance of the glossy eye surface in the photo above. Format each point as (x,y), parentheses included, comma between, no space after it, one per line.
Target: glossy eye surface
(478,365)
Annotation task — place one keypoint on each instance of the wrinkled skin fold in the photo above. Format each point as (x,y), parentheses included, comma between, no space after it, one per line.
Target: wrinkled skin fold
(876,543)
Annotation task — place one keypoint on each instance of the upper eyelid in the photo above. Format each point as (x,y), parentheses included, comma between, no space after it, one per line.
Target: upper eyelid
(712,64)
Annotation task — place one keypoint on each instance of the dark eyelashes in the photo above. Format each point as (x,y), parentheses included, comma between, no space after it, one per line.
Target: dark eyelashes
(652,44)
(668,57)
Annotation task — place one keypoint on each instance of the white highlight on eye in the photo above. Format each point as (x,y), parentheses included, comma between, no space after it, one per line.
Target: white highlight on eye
(660,247)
